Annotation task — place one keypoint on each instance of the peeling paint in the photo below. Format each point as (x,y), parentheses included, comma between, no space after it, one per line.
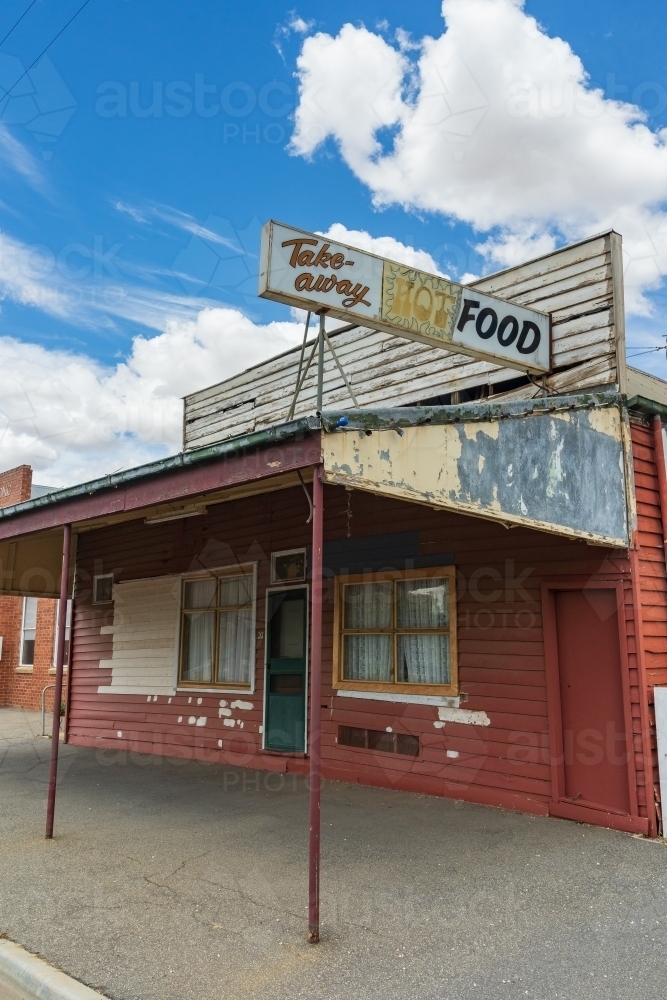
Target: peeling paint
(199,701)
(557,465)
(189,701)
(180,718)
(245,706)
(223,703)
(201,721)
(119,733)
(452,753)
(220,743)
(490,428)
(169,701)
(463,716)
(389,729)
(260,729)
(439,725)
(228,722)
(224,711)
(605,421)
(192,720)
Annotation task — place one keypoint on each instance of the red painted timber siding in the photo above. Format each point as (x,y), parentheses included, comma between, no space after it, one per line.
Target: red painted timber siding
(652,584)
(501,649)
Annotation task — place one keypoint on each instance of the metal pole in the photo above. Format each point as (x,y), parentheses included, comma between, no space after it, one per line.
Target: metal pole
(320,364)
(57,694)
(315,711)
(290,412)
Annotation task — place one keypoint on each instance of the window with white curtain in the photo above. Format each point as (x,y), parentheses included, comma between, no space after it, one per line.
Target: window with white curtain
(397,632)
(218,630)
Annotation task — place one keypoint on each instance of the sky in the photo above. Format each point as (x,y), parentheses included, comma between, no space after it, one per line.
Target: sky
(141,155)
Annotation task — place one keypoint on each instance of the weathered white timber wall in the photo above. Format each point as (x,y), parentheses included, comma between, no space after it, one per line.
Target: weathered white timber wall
(145,637)
(581,286)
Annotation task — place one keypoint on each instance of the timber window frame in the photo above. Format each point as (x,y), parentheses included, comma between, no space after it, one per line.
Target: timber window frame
(395,631)
(220,612)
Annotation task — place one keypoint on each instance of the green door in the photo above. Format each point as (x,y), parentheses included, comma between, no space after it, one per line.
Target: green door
(286,669)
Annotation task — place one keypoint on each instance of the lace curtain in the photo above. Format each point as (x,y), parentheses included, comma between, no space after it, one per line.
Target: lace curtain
(420,604)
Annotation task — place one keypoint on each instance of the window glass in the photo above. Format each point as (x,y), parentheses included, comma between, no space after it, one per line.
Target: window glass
(368,605)
(423,659)
(288,632)
(367,658)
(103,589)
(288,566)
(200,593)
(423,603)
(235,647)
(29,631)
(235,591)
(198,644)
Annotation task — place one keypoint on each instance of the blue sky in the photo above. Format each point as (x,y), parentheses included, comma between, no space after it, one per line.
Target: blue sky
(140,159)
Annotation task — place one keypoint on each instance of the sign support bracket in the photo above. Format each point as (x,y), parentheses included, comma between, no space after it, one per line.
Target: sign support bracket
(318,345)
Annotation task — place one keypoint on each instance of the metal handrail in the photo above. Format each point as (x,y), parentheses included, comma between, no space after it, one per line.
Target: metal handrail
(44,706)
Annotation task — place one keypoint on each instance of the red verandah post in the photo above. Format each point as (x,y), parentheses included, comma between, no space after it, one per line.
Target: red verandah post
(315,714)
(57,694)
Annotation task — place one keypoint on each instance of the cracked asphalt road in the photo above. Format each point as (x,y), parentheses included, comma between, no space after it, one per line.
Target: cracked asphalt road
(173,880)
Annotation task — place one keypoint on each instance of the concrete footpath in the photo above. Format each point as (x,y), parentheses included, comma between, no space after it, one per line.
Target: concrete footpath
(180,880)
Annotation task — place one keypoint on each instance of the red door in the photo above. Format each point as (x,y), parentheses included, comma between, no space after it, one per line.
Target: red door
(593,757)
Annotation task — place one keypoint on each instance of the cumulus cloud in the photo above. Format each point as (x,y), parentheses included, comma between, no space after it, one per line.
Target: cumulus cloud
(73,419)
(493,123)
(383,246)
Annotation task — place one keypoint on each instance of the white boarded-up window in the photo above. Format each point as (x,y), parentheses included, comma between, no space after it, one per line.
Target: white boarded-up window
(145,637)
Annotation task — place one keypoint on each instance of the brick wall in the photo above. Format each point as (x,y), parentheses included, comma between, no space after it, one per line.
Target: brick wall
(15,485)
(21,687)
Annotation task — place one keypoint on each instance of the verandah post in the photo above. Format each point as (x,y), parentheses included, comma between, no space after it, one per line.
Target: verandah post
(57,694)
(315,715)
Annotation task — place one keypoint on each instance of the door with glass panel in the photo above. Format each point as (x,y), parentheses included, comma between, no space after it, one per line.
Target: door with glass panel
(285,719)
(217,631)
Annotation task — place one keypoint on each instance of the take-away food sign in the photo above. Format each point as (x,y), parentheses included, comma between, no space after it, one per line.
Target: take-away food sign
(313,272)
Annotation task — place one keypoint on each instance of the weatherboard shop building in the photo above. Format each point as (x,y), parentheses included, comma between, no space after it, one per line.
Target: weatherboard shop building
(479,484)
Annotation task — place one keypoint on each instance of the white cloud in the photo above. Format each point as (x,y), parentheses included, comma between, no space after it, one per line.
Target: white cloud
(496,125)
(293,24)
(19,159)
(299,24)
(83,285)
(383,246)
(73,419)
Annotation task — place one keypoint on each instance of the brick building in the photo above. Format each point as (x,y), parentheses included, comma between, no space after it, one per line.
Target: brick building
(27,624)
